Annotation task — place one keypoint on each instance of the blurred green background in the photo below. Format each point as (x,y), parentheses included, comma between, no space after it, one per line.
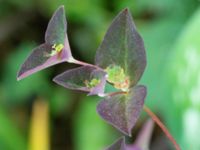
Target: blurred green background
(37,114)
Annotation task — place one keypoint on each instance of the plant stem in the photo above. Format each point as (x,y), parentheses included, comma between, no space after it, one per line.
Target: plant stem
(162,126)
(87,64)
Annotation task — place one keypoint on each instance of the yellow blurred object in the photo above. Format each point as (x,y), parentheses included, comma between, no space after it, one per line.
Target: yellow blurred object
(39,131)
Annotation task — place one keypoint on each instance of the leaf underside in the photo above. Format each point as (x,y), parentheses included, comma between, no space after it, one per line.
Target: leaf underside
(122,46)
(78,78)
(44,55)
(123,110)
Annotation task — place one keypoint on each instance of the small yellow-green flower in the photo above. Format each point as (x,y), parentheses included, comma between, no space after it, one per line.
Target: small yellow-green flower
(116,76)
(90,84)
(56,48)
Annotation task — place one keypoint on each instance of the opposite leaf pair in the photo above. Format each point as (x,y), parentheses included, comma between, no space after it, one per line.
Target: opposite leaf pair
(120,60)
(55,49)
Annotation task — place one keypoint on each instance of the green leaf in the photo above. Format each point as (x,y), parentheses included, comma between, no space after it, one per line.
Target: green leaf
(9,134)
(183,85)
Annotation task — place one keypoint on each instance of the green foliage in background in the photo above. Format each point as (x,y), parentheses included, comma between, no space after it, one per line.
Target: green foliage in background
(183,85)
(18,91)
(91,132)
(10,136)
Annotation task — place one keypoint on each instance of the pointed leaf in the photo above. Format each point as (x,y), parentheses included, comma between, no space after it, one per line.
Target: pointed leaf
(56,33)
(39,59)
(118,145)
(54,51)
(144,138)
(121,145)
(122,46)
(141,143)
(84,78)
(57,27)
(122,110)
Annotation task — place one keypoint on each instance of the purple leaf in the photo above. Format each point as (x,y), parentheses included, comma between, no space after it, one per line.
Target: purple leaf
(142,141)
(122,110)
(55,50)
(84,78)
(118,145)
(57,27)
(99,88)
(144,138)
(122,46)
(121,145)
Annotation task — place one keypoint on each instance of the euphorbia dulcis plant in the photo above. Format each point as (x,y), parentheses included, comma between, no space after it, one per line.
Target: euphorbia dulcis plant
(120,61)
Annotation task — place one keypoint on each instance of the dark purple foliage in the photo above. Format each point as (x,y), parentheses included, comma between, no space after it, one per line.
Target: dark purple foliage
(78,78)
(120,60)
(118,145)
(55,49)
(123,46)
(122,110)
(142,141)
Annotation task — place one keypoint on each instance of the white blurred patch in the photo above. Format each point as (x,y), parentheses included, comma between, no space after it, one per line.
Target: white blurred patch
(191,125)
(188,76)
(192,57)
(195,96)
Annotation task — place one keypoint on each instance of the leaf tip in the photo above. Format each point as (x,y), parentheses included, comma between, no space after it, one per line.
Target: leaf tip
(18,78)
(118,144)
(62,7)
(126,10)
(20,75)
(55,79)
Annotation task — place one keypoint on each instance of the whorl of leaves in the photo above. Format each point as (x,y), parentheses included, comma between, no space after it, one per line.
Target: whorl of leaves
(120,60)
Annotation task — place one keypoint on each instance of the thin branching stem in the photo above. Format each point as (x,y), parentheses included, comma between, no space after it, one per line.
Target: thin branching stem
(87,64)
(162,126)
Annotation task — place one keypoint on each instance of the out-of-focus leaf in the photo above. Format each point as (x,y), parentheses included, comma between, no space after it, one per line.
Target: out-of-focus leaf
(88,123)
(142,142)
(183,86)
(122,46)
(84,78)
(26,88)
(39,132)
(9,134)
(123,110)
(54,51)
(60,101)
(118,145)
